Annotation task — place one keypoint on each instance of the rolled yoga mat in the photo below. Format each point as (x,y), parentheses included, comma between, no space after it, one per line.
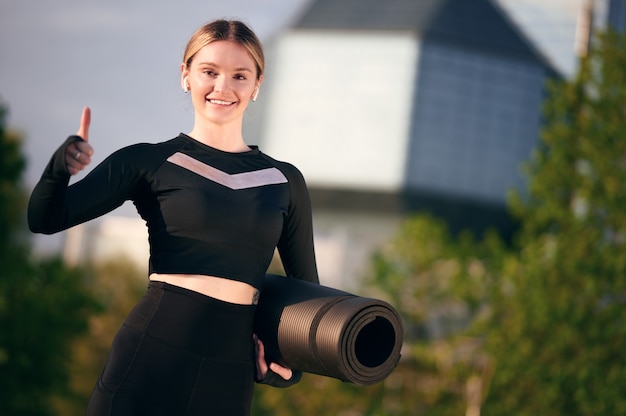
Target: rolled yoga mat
(329,332)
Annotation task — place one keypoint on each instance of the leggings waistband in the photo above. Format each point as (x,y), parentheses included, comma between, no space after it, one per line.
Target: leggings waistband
(193,321)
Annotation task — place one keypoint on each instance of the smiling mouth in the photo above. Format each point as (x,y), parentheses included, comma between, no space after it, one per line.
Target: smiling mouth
(220,102)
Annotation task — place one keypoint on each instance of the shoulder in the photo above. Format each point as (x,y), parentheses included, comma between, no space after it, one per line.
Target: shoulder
(291,172)
(146,155)
(138,149)
(297,184)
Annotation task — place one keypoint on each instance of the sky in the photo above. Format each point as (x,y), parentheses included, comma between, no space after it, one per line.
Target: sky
(120,58)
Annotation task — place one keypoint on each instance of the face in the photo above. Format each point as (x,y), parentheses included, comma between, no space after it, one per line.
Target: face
(222,79)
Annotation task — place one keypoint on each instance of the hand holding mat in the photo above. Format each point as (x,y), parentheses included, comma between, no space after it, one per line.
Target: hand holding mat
(329,332)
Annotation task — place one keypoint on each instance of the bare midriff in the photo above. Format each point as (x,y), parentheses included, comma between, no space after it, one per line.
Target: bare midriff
(232,291)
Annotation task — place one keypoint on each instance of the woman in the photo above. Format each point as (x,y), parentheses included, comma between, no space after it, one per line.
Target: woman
(215,209)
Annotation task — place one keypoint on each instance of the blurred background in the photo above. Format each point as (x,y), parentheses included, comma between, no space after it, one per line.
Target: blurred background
(385,106)
(425,130)
(401,106)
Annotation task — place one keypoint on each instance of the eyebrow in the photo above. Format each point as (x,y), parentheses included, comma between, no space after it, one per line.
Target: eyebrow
(243,68)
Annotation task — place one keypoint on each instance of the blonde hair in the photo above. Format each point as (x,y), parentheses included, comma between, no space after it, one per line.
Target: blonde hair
(231,30)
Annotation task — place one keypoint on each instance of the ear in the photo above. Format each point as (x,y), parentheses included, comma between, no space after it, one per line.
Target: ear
(184,78)
(255,93)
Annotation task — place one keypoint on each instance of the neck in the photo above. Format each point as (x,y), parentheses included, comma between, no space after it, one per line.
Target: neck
(227,138)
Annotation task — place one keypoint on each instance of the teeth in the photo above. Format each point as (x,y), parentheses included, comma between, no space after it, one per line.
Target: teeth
(220,102)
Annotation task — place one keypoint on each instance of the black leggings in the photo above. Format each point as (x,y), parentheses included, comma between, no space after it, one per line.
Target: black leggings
(179,353)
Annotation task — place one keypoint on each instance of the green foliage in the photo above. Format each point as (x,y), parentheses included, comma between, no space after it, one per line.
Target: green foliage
(117,286)
(317,395)
(44,307)
(12,164)
(43,304)
(439,283)
(562,298)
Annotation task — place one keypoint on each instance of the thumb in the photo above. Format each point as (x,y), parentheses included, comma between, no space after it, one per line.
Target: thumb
(284,372)
(85,121)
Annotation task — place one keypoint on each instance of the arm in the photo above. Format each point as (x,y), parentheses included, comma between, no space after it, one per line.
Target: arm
(298,257)
(54,206)
(295,246)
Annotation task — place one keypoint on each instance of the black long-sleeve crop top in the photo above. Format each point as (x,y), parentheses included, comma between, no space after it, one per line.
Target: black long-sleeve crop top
(207,211)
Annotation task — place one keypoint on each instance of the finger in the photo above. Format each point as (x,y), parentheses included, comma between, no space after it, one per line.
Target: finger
(261,364)
(85,121)
(74,165)
(284,372)
(79,153)
(77,156)
(84,148)
(72,171)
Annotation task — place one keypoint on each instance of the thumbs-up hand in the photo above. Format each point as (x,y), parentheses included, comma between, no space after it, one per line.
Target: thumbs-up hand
(78,154)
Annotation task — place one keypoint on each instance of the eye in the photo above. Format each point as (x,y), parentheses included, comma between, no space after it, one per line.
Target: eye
(210,72)
(240,77)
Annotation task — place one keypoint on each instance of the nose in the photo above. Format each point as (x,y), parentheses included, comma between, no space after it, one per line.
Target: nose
(221,84)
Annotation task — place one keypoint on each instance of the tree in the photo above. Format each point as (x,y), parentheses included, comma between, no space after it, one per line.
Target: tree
(558,332)
(43,304)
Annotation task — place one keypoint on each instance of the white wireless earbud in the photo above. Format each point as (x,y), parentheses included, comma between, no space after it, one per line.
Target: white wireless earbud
(186,84)
(255,95)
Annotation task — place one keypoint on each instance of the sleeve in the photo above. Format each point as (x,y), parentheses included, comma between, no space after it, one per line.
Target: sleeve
(295,246)
(54,206)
